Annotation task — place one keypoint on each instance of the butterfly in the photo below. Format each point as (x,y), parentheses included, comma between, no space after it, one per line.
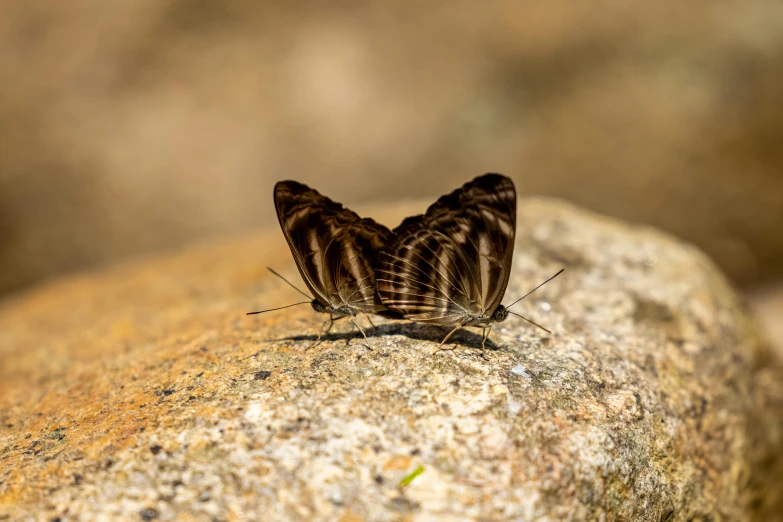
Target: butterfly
(334,250)
(450,266)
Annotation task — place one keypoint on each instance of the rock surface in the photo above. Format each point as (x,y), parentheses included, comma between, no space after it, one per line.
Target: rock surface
(143,392)
(767,305)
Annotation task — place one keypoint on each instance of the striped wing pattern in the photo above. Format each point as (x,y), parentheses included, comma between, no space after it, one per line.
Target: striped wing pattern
(333,247)
(451,265)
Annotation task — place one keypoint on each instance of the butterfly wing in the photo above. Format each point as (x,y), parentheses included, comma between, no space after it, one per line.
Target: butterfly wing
(351,257)
(452,262)
(332,246)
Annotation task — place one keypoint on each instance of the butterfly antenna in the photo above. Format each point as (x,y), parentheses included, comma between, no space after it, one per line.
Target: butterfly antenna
(280,308)
(531,322)
(533,290)
(289,283)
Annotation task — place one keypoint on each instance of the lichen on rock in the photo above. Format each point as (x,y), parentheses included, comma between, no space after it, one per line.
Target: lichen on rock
(144,392)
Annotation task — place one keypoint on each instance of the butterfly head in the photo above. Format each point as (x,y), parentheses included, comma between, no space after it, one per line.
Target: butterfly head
(321,308)
(499,314)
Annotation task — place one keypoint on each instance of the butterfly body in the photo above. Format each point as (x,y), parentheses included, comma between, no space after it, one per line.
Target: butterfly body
(321,308)
(483,319)
(466,314)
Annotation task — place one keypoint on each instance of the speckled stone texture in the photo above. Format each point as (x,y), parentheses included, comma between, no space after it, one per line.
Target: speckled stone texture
(143,392)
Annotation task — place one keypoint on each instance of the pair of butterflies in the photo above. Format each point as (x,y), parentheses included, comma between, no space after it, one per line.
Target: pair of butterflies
(449,266)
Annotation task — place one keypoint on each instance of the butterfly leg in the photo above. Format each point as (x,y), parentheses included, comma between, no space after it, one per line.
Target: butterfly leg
(368,318)
(440,347)
(367,345)
(321,332)
(485,334)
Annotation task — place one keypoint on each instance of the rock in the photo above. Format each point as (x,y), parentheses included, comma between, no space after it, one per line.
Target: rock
(143,391)
(767,304)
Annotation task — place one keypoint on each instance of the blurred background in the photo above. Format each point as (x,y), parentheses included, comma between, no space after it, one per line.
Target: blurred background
(128,127)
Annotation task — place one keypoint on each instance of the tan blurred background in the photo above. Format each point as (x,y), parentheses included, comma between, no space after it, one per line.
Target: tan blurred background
(128,127)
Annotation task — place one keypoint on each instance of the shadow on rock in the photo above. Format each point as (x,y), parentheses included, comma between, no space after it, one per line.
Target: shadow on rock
(417,331)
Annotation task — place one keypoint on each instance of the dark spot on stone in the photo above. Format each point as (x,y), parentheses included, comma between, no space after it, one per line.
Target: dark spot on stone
(169,391)
(561,255)
(199,374)
(262,375)
(639,406)
(155,449)
(403,504)
(122,387)
(415,451)
(378,479)
(108,463)
(56,519)
(142,406)
(77,479)
(385,354)
(662,421)
(656,314)
(377,448)
(191,398)
(177,483)
(28,435)
(549,469)
(203,348)
(190,388)
(183,372)
(9,425)
(204,496)
(148,514)
(35,443)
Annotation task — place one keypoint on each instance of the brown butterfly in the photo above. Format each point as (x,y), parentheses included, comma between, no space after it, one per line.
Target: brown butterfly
(334,251)
(450,266)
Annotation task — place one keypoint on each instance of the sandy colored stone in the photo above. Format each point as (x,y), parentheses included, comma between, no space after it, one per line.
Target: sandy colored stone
(767,304)
(143,393)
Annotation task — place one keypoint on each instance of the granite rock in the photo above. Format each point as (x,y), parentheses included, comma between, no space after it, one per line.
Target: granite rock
(143,392)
